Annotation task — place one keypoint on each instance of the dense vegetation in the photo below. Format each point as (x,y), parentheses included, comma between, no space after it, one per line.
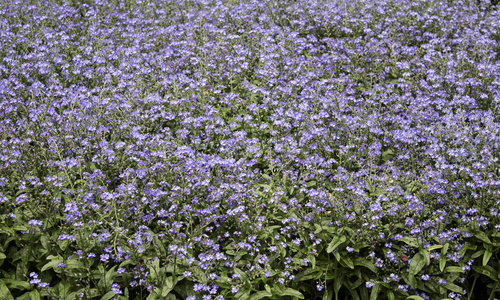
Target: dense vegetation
(249,149)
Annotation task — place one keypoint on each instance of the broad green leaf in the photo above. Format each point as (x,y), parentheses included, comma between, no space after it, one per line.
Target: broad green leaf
(452,269)
(486,257)
(168,286)
(477,254)
(426,256)
(410,241)
(5,292)
(445,248)
(375,291)
(328,295)
(347,261)
(434,247)
(2,256)
(260,295)
(268,289)
(108,295)
(483,237)
(337,255)
(454,288)
(35,295)
(16,284)
(417,264)
(110,276)
(152,296)
(442,263)
(486,270)
(414,297)
(51,264)
(293,293)
(367,264)
(412,280)
(390,295)
(336,241)
(465,248)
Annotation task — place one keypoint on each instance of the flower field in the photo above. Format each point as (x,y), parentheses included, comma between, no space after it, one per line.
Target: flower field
(249,149)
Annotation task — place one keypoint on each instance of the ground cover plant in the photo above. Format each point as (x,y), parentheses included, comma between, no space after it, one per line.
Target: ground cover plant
(249,149)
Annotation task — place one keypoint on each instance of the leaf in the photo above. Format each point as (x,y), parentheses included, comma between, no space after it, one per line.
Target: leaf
(414,297)
(268,289)
(486,257)
(477,254)
(35,295)
(442,263)
(434,247)
(417,263)
(328,295)
(445,248)
(483,237)
(293,293)
(168,287)
(16,284)
(486,270)
(51,264)
(110,276)
(426,256)
(465,247)
(348,262)
(336,241)
(452,269)
(454,288)
(364,263)
(375,291)
(2,256)
(410,241)
(260,295)
(4,292)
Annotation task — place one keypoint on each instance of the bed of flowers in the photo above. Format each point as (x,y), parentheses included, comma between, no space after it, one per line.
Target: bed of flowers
(249,149)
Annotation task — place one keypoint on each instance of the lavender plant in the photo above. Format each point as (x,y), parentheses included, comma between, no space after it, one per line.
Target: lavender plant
(249,149)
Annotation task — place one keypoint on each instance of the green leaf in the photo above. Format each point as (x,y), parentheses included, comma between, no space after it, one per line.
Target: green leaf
(486,257)
(410,241)
(293,293)
(434,247)
(375,291)
(328,295)
(51,264)
(426,256)
(347,261)
(260,295)
(5,292)
(414,297)
(452,269)
(110,276)
(483,237)
(35,295)
(454,288)
(152,296)
(445,248)
(390,295)
(2,256)
(442,263)
(412,280)
(268,289)
(477,254)
(486,270)
(364,263)
(465,248)
(168,287)
(336,241)
(16,284)
(417,264)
